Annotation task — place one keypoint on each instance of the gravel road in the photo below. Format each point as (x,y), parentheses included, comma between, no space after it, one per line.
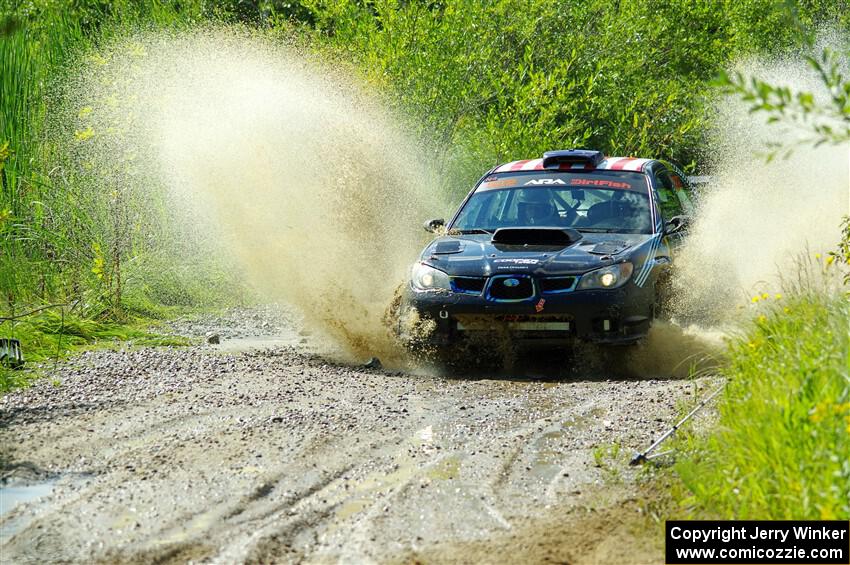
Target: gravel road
(261,450)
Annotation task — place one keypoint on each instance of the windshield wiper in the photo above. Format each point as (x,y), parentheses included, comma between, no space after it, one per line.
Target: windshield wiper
(476,230)
(598,230)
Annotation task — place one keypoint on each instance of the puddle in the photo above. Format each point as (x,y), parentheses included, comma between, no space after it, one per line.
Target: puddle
(12,496)
(352,507)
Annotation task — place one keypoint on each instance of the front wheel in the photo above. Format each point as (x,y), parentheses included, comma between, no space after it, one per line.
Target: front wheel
(662,308)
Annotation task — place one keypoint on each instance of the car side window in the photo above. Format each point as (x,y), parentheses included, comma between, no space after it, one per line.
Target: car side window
(681,192)
(479,209)
(666,191)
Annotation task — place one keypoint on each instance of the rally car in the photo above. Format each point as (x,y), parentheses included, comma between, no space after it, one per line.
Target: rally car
(570,246)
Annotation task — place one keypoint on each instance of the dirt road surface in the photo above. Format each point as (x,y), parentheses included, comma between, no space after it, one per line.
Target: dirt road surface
(258,450)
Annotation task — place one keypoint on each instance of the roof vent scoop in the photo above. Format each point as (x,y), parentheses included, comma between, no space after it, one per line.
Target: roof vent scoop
(567,157)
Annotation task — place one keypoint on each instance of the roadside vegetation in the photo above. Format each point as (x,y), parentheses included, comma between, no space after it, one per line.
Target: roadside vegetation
(781,449)
(70,242)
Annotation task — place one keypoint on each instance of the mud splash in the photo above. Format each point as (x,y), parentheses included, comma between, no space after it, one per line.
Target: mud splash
(755,224)
(759,217)
(307,182)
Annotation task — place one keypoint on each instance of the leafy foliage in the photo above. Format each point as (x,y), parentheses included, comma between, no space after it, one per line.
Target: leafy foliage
(841,255)
(826,121)
(780,451)
(490,82)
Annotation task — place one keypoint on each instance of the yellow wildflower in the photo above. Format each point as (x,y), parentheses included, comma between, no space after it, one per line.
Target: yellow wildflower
(778,296)
(137,50)
(765,296)
(826,513)
(830,260)
(817,255)
(97,59)
(755,299)
(762,318)
(85,134)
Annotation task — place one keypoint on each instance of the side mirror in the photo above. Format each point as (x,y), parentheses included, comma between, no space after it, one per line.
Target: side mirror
(434,225)
(677,224)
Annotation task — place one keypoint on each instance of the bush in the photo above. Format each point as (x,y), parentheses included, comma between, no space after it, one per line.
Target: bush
(495,81)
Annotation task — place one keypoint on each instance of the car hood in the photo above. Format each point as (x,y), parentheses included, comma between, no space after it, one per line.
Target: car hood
(476,255)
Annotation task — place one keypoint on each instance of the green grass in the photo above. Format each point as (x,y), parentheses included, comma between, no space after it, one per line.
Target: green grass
(50,335)
(781,449)
(56,243)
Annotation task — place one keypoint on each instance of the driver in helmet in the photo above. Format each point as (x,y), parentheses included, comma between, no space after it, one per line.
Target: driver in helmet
(535,207)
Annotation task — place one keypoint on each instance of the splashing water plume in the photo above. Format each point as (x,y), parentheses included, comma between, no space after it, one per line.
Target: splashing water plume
(313,189)
(758,217)
(317,193)
(751,227)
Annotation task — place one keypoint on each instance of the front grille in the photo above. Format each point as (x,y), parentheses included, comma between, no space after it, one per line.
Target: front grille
(470,285)
(557,284)
(511,287)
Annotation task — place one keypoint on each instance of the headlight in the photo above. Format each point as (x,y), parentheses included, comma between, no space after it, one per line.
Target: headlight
(612,276)
(429,278)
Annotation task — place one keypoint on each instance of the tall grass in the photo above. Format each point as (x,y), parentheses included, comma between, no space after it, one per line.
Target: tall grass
(28,53)
(56,242)
(782,446)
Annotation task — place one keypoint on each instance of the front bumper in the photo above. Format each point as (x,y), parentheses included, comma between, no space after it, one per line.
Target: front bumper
(618,316)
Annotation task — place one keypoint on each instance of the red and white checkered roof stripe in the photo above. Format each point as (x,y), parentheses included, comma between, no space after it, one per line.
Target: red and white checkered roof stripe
(610,163)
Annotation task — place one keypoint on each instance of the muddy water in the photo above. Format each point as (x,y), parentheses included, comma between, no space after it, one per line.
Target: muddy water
(280,163)
(275,455)
(23,494)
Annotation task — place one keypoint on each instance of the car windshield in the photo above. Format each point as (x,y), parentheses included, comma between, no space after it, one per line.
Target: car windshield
(609,201)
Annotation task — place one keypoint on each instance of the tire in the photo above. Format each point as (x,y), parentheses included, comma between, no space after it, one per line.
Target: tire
(662,308)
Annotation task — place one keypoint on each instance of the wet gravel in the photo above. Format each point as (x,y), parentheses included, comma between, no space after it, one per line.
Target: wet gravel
(248,453)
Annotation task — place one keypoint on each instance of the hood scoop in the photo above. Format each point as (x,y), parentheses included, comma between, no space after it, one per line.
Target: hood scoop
(609,248)
(560,237)
(447,247)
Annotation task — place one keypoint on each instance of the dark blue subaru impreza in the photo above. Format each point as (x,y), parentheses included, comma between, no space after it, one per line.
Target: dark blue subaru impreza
(570,246)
